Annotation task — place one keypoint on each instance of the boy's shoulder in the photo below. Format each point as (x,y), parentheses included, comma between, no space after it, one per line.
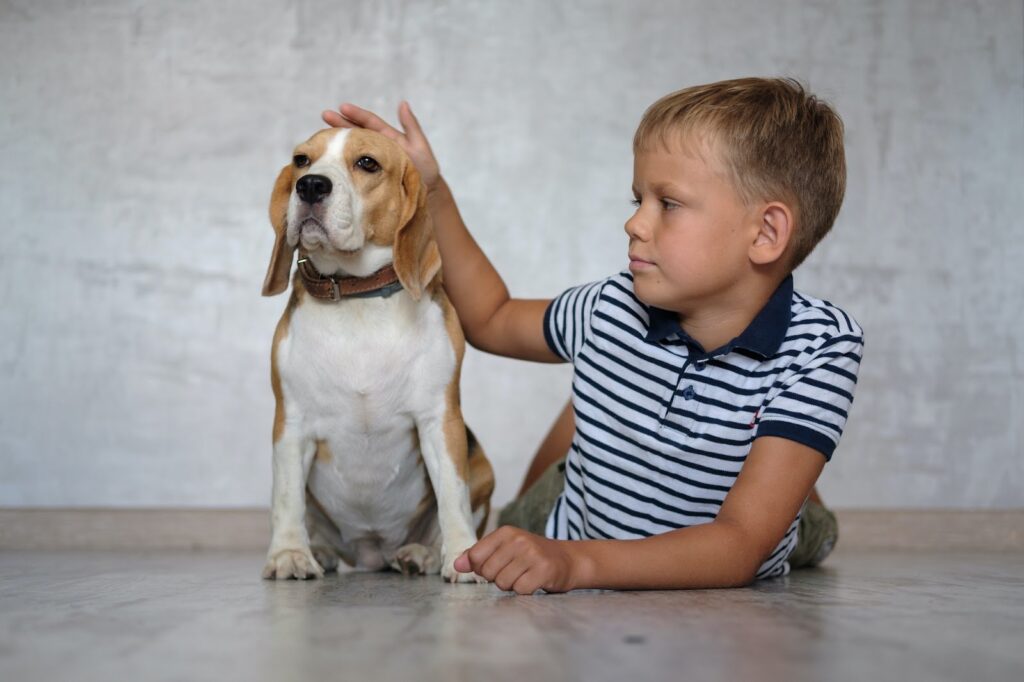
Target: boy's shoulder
(813,375)
(825,318)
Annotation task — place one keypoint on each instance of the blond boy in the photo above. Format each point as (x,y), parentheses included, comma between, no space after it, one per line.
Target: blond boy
(707,393)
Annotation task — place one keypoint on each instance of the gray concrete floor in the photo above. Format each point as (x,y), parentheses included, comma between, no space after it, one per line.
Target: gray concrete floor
(180,616)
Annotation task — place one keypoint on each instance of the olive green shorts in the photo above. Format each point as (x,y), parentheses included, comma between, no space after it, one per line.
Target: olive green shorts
(816,535)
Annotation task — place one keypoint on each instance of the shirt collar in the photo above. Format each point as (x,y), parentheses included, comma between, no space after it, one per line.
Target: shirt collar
(763,336)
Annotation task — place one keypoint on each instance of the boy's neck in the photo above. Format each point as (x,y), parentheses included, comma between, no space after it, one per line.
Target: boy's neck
(715,323)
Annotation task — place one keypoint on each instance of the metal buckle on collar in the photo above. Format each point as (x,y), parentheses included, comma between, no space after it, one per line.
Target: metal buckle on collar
(335,289)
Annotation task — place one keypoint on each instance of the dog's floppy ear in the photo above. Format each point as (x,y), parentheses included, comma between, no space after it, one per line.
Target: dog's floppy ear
(280,268)
(416,257)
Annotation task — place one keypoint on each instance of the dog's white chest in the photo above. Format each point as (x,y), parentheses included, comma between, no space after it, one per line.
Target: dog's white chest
(359,375)
(364,361)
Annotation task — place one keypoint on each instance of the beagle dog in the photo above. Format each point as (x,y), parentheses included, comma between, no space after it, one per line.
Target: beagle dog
(372,461)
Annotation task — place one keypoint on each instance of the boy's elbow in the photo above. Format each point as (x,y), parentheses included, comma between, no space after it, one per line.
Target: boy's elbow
(746,557)
(740,574)
(747,577)
(483,333)
(478,339)
(749,565)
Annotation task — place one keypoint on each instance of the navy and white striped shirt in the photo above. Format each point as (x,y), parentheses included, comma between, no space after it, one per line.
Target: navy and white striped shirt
(663,427)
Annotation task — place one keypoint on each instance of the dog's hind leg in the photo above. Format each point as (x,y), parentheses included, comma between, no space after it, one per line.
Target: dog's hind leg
(326,557)
(417,559)
(424,557)
(421,553)
(481,483)
(324,536)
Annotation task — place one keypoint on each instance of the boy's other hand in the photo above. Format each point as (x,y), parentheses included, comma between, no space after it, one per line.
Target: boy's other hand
(412,140)
(518,561)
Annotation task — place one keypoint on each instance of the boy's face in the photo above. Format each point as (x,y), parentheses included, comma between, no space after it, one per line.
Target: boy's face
(690,236)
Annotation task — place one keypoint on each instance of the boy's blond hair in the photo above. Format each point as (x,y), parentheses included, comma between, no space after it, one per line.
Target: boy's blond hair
(778,142)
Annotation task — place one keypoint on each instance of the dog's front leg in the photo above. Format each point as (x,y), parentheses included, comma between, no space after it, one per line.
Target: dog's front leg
(289,555)
(443,445)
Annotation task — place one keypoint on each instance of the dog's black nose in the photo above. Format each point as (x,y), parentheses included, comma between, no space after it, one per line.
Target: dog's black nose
(313,188)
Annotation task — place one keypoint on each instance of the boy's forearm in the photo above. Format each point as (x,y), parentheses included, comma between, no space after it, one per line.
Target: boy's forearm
(706,556)
(470,280)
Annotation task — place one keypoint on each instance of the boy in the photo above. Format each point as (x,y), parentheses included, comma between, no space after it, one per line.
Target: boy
(707,394)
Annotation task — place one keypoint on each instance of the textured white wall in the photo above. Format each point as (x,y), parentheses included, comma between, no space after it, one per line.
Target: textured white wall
(139,142)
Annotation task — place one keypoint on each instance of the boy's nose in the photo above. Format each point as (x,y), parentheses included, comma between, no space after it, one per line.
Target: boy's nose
(635,227)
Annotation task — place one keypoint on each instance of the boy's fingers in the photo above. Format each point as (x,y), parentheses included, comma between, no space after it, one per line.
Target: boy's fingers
(482,551)
(526,583)
(493,565)
(500,555)
(368,120)
(409,122)
(336,120)
(472,558)
(507,577)
(462,564)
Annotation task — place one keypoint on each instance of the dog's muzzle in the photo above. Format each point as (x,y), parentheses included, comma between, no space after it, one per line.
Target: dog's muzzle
(313,188)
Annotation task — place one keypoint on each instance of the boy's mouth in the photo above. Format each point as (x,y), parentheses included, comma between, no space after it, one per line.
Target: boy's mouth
(637,263)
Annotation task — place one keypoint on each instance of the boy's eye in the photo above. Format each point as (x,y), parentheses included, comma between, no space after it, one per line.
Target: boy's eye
(666,204)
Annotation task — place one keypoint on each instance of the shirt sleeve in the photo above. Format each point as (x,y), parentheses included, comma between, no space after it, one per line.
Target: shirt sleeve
(567,319)
(811,405)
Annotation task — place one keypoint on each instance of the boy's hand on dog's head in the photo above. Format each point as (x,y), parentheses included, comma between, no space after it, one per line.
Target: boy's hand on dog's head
(412,140)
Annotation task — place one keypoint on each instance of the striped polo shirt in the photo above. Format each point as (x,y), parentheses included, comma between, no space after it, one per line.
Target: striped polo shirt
(663,427)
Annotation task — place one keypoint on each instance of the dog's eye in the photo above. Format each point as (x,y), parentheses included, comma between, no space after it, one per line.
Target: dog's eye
(300,160)
(368,164)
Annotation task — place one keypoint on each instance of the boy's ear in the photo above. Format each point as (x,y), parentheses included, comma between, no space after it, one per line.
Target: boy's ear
(774,234)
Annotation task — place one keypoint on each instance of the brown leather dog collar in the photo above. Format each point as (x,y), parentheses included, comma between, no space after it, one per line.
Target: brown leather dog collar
(383,283)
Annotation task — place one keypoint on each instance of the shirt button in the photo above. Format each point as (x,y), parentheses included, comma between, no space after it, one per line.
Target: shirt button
(688,393)
(699,366)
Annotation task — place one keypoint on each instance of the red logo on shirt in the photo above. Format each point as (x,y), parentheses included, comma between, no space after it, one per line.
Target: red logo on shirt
(753,421)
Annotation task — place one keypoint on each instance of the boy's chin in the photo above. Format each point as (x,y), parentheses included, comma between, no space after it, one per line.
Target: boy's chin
(648,295)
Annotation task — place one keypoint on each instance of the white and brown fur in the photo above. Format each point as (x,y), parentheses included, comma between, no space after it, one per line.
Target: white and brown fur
(372,461)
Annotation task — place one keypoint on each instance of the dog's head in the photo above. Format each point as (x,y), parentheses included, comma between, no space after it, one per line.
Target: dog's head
(353,201)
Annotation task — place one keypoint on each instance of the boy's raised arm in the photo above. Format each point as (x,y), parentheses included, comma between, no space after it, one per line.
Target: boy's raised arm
(491,319)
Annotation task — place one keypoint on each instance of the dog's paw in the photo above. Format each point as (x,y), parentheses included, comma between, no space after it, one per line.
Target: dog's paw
(326,557)
(292,563)
(416,559)
(452,576)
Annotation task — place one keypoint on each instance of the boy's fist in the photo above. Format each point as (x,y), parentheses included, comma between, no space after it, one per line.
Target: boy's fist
(518,561)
